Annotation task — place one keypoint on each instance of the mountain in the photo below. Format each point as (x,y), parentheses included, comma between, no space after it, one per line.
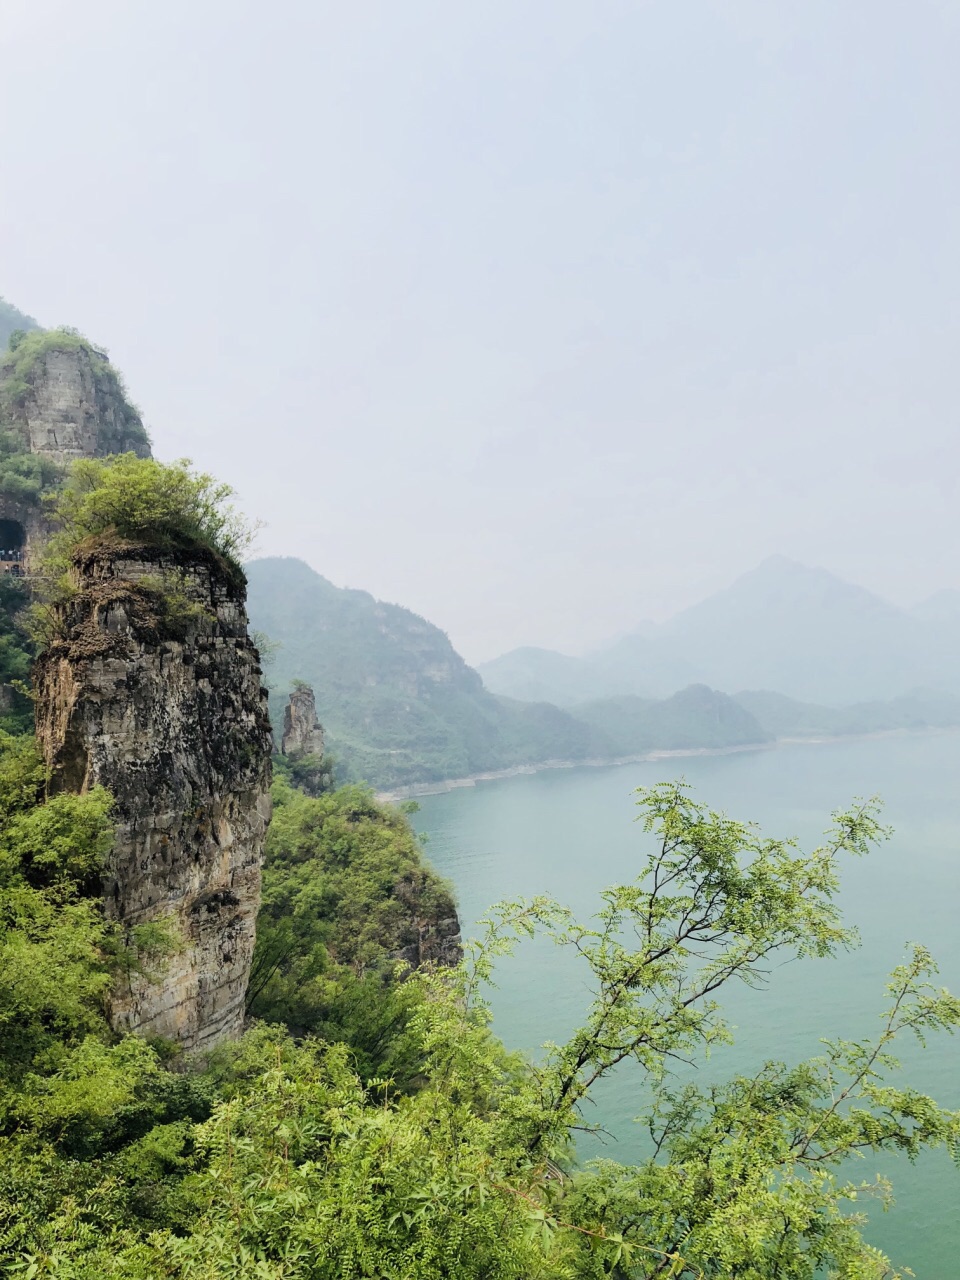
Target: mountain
(784,717)
(398,703)
(10,320)
(400,706)
(696,717)
(801,631)
(542,675)
(943,606)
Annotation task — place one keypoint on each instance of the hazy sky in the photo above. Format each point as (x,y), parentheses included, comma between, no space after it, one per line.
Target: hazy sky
(541,317)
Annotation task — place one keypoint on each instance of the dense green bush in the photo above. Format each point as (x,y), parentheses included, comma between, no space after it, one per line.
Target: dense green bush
(142,500)
(24,476)
(343,883)
(126,501)
(16,656)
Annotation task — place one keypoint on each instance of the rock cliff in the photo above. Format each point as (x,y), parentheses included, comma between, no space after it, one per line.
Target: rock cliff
(68,400)
(302,730)
(431,937)
(152,689)
(60,399)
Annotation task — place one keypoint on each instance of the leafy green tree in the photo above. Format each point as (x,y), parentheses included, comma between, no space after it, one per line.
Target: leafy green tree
(16,657)
(24,476)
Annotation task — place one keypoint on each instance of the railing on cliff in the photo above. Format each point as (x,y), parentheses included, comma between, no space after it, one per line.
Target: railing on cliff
(13,560)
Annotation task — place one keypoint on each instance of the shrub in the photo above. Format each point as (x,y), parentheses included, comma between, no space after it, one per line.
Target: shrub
(144,502)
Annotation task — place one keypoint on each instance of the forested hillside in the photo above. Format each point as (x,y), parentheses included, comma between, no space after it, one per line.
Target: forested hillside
(696,717)
(398,702)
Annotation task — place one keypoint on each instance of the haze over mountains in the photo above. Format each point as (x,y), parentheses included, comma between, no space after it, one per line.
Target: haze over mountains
(12,319)
(816,656)
(398,703)
(784,627)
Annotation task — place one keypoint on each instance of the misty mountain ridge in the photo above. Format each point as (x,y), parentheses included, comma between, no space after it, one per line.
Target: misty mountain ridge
(784,626)
(401,707)
(941,605)
(398,702)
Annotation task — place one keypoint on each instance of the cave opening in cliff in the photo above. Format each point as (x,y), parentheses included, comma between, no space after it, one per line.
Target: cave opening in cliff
(12,539)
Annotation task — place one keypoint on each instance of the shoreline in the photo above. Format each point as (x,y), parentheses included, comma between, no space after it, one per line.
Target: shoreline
(444,786)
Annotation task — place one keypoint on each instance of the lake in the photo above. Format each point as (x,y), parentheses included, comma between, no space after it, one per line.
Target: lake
(570,832)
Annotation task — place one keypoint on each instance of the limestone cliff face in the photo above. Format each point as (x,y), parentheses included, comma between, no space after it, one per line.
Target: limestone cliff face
(72,405)
(302,730)
(65,401)
(153,690)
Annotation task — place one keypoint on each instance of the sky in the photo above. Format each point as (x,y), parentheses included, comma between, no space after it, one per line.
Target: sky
(540,317)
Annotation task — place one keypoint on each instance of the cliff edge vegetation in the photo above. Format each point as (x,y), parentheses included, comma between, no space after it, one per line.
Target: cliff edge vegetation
(148,684)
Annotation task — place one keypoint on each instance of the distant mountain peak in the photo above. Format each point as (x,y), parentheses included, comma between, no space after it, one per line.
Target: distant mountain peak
(941,605)
(779,563)
(781,583)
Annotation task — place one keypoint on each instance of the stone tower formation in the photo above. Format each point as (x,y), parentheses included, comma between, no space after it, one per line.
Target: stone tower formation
(165,710)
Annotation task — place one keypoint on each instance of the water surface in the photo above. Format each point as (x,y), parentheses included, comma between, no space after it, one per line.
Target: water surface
(571,832)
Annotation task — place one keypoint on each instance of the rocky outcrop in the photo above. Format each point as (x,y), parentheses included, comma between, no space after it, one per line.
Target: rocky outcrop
(71,404)
(431,941)
(64,400)
(302,730)
(153,690)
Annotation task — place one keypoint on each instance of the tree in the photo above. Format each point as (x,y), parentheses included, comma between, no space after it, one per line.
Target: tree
(142,500)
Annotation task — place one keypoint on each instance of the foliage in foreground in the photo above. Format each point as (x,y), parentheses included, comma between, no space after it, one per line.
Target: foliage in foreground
(273,1159)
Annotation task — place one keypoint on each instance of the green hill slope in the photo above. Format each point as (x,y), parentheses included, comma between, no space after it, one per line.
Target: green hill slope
(398,702)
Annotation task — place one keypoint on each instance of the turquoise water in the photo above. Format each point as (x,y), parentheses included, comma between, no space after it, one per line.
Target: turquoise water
(570,832)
